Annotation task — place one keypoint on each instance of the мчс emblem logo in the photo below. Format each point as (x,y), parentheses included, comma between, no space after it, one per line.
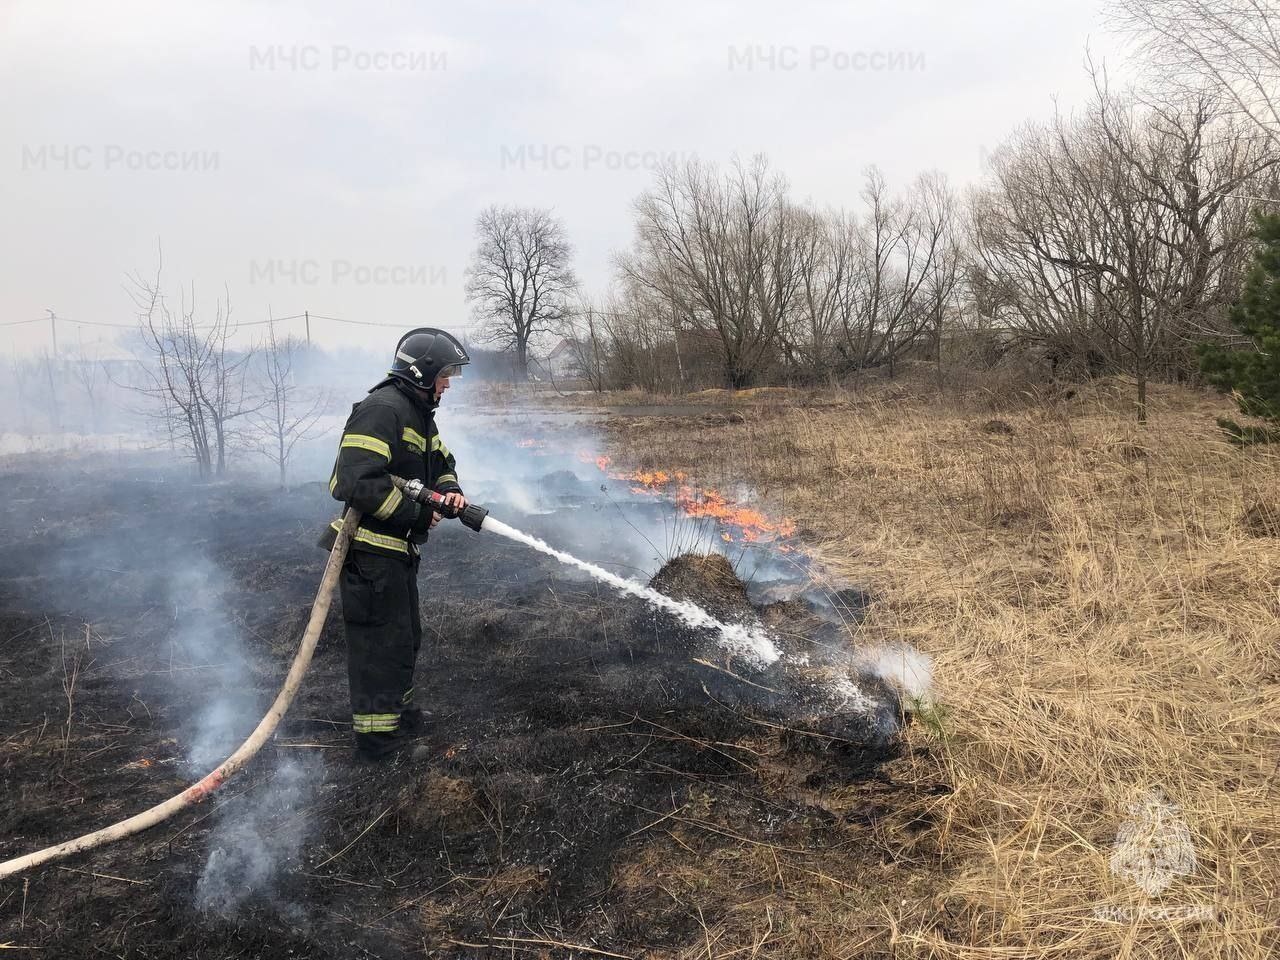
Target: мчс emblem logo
(1154,846)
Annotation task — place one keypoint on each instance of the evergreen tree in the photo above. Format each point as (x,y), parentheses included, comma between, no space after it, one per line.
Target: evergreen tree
(1252,374)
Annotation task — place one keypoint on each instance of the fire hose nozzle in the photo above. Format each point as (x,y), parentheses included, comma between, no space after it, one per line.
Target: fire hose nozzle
(472,515)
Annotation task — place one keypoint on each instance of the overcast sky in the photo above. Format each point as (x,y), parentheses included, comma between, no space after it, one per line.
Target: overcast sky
(332,157)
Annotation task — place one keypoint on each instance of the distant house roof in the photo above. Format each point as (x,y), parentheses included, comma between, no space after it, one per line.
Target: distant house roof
(563,347)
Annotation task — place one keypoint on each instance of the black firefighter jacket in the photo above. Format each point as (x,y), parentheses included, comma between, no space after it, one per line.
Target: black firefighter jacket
(389,432)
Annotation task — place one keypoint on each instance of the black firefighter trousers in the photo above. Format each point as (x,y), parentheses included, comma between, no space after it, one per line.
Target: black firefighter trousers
(384,631)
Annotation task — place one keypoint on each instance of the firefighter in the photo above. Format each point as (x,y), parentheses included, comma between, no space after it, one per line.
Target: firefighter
(391,432)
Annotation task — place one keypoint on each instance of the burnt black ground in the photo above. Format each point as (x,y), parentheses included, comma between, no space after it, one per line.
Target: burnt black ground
(564,720)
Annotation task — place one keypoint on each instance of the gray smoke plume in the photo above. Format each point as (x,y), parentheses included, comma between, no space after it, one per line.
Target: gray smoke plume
(209,675)
(257,839)
(225,708)
(259,835)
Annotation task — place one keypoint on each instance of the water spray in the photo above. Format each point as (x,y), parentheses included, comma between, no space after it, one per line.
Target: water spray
(749,642)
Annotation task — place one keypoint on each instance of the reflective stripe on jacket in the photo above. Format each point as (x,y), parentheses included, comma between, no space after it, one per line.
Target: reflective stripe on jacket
(389,432)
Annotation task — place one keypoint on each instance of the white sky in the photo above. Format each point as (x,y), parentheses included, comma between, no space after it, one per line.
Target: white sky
(339,170)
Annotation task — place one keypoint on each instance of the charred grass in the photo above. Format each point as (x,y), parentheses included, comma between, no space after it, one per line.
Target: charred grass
(1103,612)
(595,785)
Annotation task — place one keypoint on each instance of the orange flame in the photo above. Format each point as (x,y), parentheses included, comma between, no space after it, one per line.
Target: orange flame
(601,462)
(750,525)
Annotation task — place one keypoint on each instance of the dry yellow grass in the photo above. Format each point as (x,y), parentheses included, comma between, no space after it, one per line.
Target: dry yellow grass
(1102,624)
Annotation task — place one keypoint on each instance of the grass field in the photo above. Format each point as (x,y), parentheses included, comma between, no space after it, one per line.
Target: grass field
(1105,630)
(1099,600)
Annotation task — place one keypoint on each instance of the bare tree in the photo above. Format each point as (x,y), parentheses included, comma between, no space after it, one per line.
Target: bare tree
(583,329)
(1020,227)
(1228,47)
(1121,231)
(903,270)
(939,292)
(289,413)
(520,278)
(788,289)
(824,261)
(640,343)
(195,382)
(723,253)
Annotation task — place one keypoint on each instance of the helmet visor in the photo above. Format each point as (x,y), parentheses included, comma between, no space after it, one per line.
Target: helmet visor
(451,371)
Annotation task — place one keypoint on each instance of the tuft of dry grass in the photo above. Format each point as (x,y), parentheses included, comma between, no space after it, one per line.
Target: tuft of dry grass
(1104,623)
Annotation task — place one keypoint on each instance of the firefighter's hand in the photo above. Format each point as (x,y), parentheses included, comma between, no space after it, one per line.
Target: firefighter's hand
(435,518)
(455,500)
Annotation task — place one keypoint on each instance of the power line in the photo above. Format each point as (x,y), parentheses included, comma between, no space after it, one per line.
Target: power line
(135,326)
(358,323)
(100,323)
(239,323)
(228,325)
(394,326)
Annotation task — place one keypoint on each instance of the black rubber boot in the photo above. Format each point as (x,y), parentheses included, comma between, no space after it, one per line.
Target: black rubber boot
(403,752)
(376,748)
(413,722)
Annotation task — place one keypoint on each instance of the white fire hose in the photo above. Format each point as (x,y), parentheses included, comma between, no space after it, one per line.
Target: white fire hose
(228,768)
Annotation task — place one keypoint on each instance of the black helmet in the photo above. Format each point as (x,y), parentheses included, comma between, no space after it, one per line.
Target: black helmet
(426,353)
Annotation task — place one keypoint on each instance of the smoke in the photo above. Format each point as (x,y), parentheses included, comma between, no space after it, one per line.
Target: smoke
(533,463)
(907,669)
(188,651)
(225,709)
(256,840)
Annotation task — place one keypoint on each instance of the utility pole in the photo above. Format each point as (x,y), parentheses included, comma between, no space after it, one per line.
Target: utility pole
(49,361)
(307,315)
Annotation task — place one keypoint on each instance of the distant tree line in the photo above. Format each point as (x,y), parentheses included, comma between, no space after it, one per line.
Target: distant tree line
(1115,239)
